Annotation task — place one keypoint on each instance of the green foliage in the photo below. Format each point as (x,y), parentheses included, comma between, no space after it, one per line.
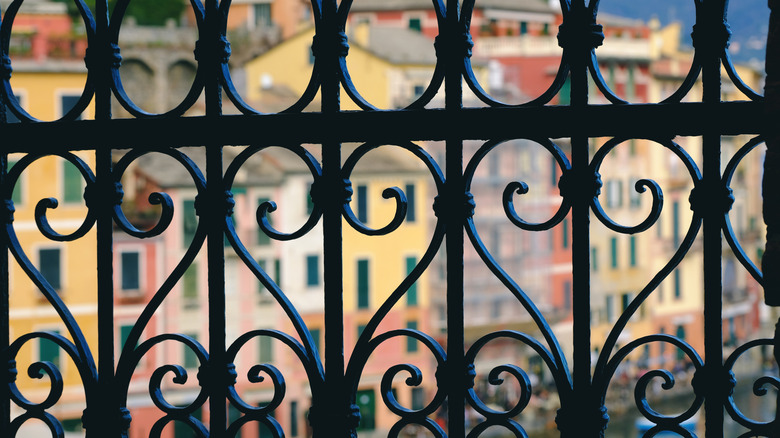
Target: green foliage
(146,12)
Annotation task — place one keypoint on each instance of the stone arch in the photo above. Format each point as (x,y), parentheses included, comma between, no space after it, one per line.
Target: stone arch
(137,79)
(180,75)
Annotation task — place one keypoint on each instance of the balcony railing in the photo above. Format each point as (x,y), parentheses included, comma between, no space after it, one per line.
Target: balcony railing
(325,354)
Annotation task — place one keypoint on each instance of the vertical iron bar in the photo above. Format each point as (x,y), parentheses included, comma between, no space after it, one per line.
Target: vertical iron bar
(215,210)
(217,380)
(336,407)
(770,261)
(102,418)
(455,194)
(5,303)
(714,22)
(580,212)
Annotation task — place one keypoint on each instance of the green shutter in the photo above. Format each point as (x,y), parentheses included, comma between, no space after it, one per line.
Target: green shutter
(190,359)
(50,266)
(362,203)
(189,221)
(278,272)
(16,195)
(366,402)
(411,214)
(613,252)
(190,282)
(315,337)
(72,184)
(49,351)
(411,294)
(362,284)
(265,349)
(124,333)
(312,270)
(411,343)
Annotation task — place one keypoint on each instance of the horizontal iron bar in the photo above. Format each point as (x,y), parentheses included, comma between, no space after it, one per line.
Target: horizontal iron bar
(635,121)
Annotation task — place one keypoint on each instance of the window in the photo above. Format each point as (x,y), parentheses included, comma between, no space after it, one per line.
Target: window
(634,197)
(366,402)
(17,195)
(411,343)
(189,221)
(124,333)
(360,329)
(415,24)
(565,233)
(130,270)
(362,203)
(67,102)
(48,350)
(362,284)
(262,238)
(418,398)
(625,300)
(50,266)
(262,14)
(316,335)
(190,283)
(418,91)
(677,288)
(523,27)
(294,418)
(265,350)
(312,270)
(72,184)
(564,96)
(411,294)
(680,333)
(676,223)
(594,259)
(190,358)
(614,193)
(632,250)
(613,246)
(411,215)
(567,295)
(609,308)
(182,430)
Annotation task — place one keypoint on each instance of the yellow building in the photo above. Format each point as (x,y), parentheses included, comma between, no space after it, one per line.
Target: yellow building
(624,264)
(389,66)
(47,91)
(374,266)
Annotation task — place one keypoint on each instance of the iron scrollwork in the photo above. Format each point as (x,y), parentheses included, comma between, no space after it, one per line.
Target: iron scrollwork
(582,390)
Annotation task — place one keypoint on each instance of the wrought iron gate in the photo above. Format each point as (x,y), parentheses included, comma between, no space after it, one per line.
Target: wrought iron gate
(333,380)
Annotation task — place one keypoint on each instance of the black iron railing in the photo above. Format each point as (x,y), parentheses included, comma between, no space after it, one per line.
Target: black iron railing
(581,382)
